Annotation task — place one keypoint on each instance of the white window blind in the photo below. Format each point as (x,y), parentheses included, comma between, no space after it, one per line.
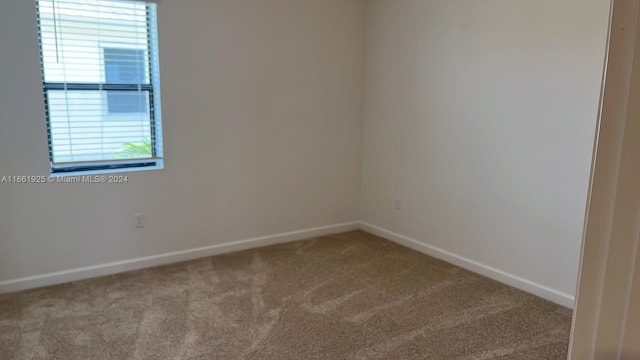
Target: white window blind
(101,83)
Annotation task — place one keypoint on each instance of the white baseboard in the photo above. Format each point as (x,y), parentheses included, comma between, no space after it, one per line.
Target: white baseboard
(37,281)
(168,258)
(474,266)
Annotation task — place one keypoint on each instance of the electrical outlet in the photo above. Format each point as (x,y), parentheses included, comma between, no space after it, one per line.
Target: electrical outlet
(139,221)
(398,203)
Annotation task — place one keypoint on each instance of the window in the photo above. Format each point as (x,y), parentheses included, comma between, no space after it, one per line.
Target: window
(101,84)
(124,66)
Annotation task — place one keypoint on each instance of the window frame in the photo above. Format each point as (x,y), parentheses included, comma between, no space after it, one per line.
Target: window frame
(151,69)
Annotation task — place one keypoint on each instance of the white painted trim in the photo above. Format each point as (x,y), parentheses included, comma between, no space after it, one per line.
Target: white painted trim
(606,265)
(66,276)
(168,258)
(474,266)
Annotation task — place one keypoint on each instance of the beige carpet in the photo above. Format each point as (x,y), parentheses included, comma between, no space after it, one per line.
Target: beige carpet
(347,296)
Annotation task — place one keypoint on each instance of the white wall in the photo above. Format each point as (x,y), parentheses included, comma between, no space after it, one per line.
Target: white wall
(480,116)
(262,106)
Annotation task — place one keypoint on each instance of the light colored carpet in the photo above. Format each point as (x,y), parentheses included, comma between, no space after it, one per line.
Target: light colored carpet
(347,296)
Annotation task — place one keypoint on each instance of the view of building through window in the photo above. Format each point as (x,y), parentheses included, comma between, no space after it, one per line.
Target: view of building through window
(125,66)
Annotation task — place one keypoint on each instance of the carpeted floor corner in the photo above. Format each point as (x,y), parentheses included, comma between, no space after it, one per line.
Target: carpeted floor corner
(346,296)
